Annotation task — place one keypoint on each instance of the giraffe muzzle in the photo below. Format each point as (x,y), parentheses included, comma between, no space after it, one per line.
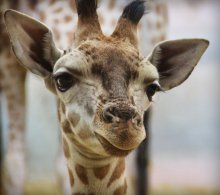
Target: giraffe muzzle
(121,113)
(122,127)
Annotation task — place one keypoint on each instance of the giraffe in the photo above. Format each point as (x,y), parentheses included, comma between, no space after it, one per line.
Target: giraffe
(58,13)
(103,85)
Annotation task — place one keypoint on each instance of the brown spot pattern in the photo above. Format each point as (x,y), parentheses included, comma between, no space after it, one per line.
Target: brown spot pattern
(81,173)
(74,119)
(66,148)
(62,106)
(66,127)
(71,177)
(100,173)
(84,133)
(119,169)
(121,190)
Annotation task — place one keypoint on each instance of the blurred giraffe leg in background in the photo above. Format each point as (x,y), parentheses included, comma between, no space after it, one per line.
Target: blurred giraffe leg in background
(14,91)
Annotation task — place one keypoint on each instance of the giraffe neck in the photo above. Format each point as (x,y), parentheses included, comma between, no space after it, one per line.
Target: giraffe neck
(95,176)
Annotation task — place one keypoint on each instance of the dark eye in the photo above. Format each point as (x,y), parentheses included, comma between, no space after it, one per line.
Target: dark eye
(64,81)
(151,90)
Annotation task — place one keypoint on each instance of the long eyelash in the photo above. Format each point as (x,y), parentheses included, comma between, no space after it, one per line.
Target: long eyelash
(55,76)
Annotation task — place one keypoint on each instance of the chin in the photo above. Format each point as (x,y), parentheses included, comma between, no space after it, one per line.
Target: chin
(111,149)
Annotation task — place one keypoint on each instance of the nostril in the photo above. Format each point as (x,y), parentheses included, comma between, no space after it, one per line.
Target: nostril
(119,113)
(136,120)
(127,115)
(107,115)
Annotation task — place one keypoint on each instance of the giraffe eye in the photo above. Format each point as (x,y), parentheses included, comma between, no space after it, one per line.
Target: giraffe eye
(152,89)
(64,81)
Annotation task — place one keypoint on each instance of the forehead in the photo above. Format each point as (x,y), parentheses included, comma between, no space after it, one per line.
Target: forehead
(107,58)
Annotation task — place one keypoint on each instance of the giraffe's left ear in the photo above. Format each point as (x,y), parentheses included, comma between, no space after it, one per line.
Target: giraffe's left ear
(175,60)
(32,43)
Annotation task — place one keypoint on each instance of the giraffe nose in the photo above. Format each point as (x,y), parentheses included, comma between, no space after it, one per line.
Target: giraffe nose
(120,113)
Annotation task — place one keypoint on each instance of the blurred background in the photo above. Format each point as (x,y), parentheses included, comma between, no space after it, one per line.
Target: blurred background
(185,129)
(185,150)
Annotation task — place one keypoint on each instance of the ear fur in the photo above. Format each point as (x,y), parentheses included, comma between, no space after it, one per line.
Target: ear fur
(175,60)
(32,43)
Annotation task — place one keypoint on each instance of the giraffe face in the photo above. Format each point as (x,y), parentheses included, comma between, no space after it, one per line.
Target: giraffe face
(107,85)
(103,84)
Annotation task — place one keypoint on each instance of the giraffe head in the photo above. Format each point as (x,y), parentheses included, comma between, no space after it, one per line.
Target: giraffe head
(104,84)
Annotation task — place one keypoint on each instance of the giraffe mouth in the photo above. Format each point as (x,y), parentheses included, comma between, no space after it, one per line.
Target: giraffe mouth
(121,139)
(110,148)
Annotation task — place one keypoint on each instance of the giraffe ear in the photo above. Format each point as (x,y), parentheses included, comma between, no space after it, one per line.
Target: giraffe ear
(32,43)
(175,60)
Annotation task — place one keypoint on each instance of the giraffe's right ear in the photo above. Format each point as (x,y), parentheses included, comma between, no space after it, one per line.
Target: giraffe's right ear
(32,43)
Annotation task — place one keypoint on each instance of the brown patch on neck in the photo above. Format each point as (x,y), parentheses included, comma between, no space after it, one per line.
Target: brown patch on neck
(85,133)
(100,173)
(66,126)
(74,119)
(121,190)
(119,170)
(66,148)
(82,174)
(62,107)
(71,177)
